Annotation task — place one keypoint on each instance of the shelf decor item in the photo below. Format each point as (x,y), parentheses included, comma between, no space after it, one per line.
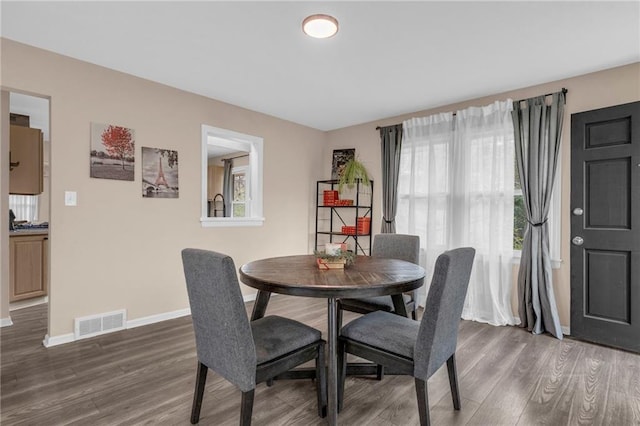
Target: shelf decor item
(353,171)
(363,225)
(344,220)
(330,198)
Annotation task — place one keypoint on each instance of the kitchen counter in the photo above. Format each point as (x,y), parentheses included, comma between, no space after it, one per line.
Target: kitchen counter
(32,231)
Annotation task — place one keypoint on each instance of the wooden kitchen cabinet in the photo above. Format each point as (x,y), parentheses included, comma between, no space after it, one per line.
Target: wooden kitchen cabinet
(28,268)
(26,174)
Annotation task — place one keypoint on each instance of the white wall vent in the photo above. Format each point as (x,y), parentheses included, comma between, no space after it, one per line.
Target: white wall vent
(95,325)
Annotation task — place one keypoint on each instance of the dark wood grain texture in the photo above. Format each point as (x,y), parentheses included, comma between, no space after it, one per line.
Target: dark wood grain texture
(300,276)
(145,376)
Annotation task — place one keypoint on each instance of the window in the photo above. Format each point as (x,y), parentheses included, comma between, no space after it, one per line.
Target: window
(239,203)
(246,190)
(25,207)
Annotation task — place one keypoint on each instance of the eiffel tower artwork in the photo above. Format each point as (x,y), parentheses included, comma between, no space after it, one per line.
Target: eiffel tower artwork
(159,173)
(160,180)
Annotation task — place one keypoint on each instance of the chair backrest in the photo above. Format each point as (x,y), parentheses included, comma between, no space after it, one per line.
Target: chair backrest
(224,341)
(438,333)
(397,246)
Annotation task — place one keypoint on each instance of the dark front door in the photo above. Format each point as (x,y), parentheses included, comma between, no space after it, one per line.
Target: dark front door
(605,226)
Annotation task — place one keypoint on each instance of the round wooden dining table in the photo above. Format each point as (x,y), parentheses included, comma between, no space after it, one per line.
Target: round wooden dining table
(300,276)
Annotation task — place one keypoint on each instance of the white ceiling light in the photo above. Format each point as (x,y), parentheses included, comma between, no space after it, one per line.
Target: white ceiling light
(320,26)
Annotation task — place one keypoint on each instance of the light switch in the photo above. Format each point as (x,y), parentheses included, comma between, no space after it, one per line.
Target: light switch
(70,198)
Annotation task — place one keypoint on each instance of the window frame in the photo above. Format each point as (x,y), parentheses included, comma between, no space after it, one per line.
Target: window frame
(242,142)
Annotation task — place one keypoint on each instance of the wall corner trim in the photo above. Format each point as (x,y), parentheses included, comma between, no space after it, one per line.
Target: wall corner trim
(6,322)
(58,340)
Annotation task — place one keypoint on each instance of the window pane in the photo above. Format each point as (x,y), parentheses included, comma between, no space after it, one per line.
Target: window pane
(516,175)
(239,182)
(238,210)
(25,207)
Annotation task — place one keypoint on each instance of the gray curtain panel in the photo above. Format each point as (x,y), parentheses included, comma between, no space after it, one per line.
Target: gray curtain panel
(538,129)
(227,187)
(391,141)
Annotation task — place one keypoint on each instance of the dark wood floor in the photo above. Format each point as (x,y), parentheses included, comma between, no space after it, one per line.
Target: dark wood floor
(146,376)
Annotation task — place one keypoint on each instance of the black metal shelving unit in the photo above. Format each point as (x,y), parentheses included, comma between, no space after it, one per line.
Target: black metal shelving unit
(331,218)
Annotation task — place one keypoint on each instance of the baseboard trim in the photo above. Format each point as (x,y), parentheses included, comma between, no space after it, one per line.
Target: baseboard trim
(566,330)
(6,322)
(152,319)
(58,340)
(138,322)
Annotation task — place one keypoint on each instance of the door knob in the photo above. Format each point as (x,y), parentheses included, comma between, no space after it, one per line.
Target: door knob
(578,211)
(578,241)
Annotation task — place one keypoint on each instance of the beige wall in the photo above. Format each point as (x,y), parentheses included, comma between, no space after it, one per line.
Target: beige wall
(601,89)
(118,250)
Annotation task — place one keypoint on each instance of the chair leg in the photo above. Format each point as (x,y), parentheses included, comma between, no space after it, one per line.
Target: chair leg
(414,315)
(246,409)
(321,382)
(423,402)
(342,373)
(380,372)
(453,381)
(339,318)
(270,382)
(201,380)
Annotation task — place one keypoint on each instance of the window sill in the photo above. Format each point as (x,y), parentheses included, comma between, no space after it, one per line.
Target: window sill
(224,222)
(555,263)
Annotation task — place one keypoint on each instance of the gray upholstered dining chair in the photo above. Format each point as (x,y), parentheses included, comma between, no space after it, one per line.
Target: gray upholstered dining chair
(245,353)
(393,246)
(415,348)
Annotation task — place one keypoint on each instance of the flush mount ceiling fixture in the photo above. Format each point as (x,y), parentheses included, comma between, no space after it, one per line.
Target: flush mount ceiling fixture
(320,26)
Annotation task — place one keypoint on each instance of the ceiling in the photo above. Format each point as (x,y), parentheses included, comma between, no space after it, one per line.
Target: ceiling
(389,58)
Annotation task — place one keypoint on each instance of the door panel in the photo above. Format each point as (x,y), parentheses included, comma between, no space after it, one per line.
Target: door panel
(605,263)
(608,193)
(611,301)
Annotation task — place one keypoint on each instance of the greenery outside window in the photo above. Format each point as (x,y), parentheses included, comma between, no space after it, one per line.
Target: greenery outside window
(240,196)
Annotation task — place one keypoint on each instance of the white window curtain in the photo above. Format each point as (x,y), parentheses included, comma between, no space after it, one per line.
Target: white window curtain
(25,207)
(456,189)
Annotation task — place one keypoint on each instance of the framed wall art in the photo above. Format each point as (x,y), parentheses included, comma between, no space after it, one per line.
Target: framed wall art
(340,158)
(112,152)
(159,173)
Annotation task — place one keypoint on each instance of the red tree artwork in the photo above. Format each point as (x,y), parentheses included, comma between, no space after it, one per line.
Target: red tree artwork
(118,142)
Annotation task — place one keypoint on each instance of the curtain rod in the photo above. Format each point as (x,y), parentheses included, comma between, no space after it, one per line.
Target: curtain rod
(565,91)
(239,156)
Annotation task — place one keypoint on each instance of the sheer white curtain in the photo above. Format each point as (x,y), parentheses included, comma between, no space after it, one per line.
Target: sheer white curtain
(25,207)
(456,189)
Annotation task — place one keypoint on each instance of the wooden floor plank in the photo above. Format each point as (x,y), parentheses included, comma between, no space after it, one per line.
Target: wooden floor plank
(146,375)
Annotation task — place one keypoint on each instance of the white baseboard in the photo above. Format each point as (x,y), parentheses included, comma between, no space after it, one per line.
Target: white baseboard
(138,322)
(152,319)
(28,303)
(58,340)
(566,330)
(5,322)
